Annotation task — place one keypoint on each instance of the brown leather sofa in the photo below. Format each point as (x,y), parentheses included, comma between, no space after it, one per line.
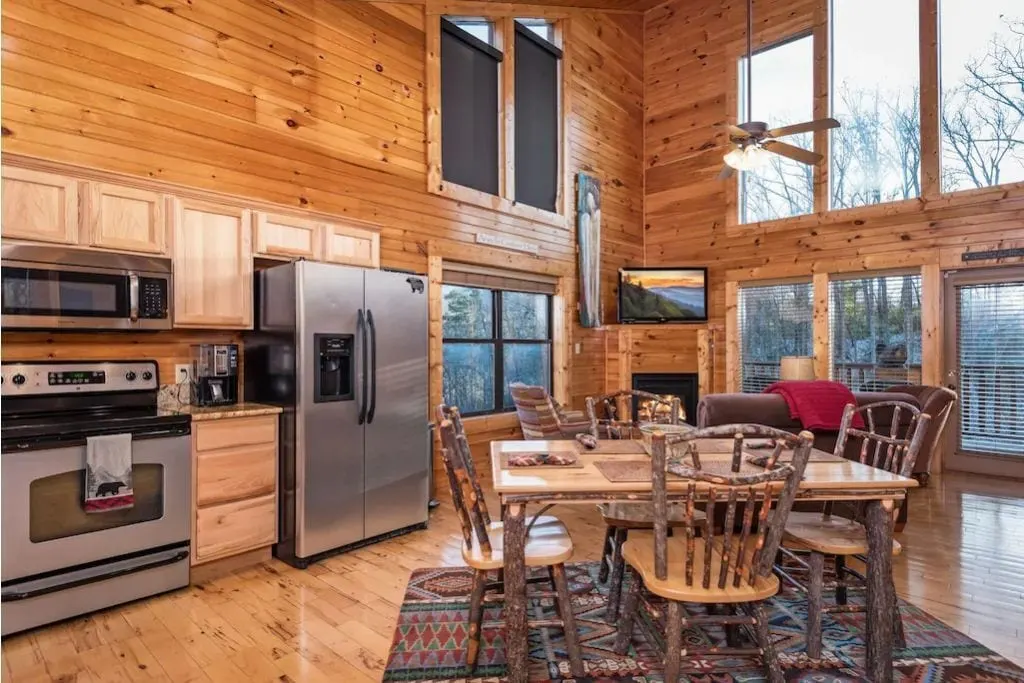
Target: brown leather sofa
(771,410)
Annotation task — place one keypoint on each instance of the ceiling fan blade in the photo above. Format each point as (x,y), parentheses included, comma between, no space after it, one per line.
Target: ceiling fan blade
(727,172)
(792,152)
(735,131)
(808,127)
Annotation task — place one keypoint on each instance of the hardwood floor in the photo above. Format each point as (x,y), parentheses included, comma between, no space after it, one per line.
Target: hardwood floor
(963,561)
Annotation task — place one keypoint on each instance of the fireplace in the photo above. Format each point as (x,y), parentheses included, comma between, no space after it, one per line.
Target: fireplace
(681,384)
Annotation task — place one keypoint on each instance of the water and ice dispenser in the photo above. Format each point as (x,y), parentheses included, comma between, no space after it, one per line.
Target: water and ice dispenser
(336,368)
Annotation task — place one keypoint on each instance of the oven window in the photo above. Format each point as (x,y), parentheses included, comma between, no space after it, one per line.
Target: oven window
(31,291)
(55,504)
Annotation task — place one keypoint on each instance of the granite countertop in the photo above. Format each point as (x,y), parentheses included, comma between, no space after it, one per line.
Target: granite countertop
(243,409)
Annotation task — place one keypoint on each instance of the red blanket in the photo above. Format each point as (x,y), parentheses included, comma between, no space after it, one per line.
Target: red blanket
(817,404)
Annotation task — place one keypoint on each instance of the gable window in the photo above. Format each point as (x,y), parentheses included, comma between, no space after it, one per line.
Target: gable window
(783,94)
(495,125)
(876,331)
(982,80)
(469,99)
(493,335)
(774,321)
(536,115)
(876,152)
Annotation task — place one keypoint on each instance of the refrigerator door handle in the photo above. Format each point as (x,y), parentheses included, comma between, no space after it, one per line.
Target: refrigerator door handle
(373,365)
(361,337)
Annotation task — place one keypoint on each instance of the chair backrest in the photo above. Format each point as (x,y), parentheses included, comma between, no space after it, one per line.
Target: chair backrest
(891,452)
(537,415)
(467,496)
(767,490)
(611,415)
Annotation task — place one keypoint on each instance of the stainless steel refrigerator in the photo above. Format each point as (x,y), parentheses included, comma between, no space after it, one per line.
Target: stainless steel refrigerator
(344,351)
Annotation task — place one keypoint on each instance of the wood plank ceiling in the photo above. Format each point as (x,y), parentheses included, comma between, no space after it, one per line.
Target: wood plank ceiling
(603,5)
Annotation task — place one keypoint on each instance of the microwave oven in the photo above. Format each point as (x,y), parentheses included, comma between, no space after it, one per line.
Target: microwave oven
(53,287)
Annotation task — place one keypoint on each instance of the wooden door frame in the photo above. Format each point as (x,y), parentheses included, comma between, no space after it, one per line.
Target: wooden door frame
(993,465)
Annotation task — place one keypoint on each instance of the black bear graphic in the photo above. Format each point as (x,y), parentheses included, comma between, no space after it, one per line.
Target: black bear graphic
(109,488)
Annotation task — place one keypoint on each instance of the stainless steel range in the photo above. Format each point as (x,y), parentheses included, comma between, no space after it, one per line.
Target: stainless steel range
(57,560)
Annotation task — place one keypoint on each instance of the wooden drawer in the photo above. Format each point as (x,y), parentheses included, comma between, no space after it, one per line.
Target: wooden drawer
(234,473)
(231,432)
(233,528)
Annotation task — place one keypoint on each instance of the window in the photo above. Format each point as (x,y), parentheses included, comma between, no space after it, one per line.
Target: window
(536,116)
(876,331)
(783,94)
(481,29)
(982,76)
(492,338)
(774,321)
(544,29)
(876,152)
(469,105)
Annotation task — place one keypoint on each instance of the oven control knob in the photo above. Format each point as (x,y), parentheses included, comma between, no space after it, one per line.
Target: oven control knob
(147,375)
(130,376)
(18,379)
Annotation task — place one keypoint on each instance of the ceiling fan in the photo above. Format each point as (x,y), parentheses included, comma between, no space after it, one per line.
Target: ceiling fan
(753,141)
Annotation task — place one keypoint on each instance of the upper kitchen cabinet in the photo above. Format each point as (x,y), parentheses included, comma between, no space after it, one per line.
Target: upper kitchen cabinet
(351,245)
(212,265)
(286,237)
(124,218)
(39,206)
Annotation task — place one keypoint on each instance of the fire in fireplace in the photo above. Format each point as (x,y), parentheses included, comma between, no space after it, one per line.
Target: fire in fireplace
(666,384)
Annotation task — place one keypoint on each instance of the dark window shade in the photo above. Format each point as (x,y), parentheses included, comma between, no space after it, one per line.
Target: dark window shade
(536,120)
(469,110)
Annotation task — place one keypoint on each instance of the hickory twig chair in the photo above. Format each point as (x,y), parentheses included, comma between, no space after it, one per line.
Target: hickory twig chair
(547,545)
(620,518)
(817,536)
(724,569)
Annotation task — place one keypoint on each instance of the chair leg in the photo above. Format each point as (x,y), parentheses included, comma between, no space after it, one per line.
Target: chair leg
(899,634)
(841,597)
(673,641)
(629,612)
(476,617)
(815,582)
(615,581)
(764,641)
(564,602)
(732,631)
(606,555)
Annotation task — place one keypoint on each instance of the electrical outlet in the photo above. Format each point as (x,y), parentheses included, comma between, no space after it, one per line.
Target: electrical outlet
(182,372)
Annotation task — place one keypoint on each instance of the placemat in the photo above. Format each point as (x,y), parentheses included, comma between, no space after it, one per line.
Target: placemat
(614,447)
(622,471)
(787,456)
(505,466)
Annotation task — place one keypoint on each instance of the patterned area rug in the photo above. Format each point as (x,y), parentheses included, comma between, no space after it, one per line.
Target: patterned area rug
(430,642)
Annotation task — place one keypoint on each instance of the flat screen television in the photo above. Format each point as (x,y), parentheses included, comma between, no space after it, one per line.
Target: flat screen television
(663,295)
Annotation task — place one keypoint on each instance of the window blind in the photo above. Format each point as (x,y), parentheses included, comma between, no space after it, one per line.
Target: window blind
(875,331)
(536,119)
(990,359)
(774,321)
(469,109)
(469,275)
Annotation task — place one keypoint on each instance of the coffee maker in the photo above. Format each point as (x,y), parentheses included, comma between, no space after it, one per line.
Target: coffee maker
(214,374)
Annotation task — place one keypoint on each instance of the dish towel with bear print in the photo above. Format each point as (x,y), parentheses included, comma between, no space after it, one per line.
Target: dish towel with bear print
(108,473)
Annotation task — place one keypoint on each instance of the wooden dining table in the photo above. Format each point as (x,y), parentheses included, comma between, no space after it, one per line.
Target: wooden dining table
(826,478)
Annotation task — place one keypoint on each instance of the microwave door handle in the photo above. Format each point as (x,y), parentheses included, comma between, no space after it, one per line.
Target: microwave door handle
(133,297)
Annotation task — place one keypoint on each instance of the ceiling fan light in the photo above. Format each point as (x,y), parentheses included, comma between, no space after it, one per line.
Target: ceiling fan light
(734,158)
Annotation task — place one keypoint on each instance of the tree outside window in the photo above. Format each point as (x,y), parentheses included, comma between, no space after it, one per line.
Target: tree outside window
(491,339)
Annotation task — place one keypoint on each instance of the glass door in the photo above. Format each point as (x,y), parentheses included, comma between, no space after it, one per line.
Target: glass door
(985,366)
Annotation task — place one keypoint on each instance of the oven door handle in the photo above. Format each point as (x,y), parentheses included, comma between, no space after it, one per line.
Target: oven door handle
(133,296)
(14,595)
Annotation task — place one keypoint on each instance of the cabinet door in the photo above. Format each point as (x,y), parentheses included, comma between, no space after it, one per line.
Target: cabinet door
(350,245)
(233,528)
(125,218)
(39,206)
(287,237)
(212,265)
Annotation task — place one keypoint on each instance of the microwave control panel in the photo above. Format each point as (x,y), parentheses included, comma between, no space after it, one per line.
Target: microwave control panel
(153,297)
